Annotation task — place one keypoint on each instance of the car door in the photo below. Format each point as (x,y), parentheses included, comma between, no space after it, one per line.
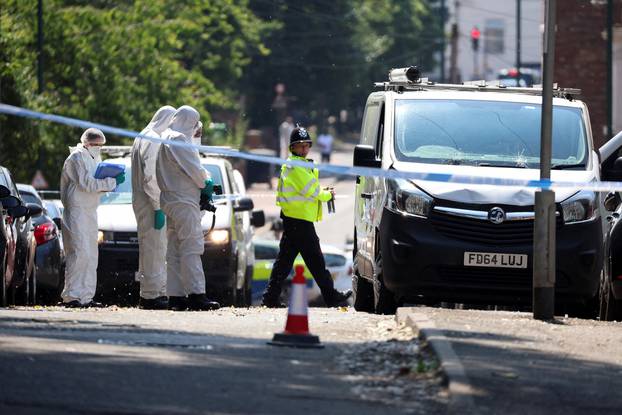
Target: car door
(9,229)
(237,228)
(366,201)
(25,238)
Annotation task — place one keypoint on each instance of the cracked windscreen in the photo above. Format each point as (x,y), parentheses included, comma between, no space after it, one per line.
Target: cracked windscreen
(486,133)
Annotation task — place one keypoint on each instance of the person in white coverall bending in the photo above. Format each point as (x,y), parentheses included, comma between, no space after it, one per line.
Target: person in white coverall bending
(182,179)
(150,219)
(80,192)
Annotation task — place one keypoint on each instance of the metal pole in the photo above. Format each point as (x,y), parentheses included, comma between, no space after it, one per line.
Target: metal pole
(442,40)
(544,226)
(40,46)
(518,36)
(609,69)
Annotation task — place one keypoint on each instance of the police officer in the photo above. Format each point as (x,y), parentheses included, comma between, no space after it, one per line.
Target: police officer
(300,197)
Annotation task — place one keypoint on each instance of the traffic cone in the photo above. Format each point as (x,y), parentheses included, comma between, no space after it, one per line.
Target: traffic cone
(296,332)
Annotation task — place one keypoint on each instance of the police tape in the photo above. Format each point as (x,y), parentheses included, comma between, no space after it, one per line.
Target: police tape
(340,170)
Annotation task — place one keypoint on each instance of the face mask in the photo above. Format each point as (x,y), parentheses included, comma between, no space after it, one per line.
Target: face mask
(95,151)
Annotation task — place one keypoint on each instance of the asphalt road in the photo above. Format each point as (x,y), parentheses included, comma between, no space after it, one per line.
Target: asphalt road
(130,361)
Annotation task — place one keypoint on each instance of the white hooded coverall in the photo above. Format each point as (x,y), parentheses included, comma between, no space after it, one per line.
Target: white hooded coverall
(145,201)
(181,178)
(80,192)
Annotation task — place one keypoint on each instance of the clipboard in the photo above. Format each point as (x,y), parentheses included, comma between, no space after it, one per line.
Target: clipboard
(105,170)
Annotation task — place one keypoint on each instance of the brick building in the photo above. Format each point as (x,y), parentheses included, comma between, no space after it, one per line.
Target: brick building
(581,58)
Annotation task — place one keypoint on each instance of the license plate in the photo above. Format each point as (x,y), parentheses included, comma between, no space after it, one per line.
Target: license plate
(496,260)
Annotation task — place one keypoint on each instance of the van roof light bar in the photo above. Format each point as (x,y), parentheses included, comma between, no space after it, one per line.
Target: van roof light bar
(409,79)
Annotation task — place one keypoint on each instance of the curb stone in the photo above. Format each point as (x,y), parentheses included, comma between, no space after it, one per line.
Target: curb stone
(460,390)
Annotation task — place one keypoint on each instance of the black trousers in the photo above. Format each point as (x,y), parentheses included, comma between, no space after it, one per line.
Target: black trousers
(299,237)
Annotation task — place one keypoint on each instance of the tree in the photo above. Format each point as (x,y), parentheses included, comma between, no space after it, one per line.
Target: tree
(116,62)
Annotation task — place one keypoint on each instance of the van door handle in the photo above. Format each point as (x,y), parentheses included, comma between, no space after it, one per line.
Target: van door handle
(366,195)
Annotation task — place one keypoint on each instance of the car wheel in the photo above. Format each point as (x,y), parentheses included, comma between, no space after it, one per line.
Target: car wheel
(3,293)
(384,300)
(610,309)
(32,287)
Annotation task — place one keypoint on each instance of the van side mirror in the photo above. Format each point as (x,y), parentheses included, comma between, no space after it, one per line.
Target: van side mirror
(34,209)
(243,204)
(258,218)
(58,222)
(612,201)
(365,156)
(217,189)
(4,192)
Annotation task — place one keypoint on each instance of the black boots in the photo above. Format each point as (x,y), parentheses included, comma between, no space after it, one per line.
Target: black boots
(176,303)
(200,302)
(337,298)
(158,303)
(271,302)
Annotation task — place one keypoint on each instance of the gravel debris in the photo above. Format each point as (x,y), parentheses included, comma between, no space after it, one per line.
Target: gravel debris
(396,369)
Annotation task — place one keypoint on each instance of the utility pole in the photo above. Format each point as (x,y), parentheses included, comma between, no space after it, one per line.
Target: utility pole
(453,57)
(609,69)
(443,14)
(518,36)
(544,224)
(40,46)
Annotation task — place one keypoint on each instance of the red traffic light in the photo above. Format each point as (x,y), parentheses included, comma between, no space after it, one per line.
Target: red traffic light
(475,33)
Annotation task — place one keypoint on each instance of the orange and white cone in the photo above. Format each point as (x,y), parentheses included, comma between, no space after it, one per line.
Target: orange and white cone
(296,332)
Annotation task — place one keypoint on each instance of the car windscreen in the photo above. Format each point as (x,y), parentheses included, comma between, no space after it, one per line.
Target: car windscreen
(264,252)
(215,174)
(122,194)
(486,133)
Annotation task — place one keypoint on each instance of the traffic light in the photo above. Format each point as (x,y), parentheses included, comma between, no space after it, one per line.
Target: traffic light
(475,35)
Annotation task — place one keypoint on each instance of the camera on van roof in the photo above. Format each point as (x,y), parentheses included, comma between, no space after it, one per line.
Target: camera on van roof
(410,74)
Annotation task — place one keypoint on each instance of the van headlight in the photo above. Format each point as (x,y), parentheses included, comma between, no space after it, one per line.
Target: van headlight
(217,236)
(581,207)
(406,198)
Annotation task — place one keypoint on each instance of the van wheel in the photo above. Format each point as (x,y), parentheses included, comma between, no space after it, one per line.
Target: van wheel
(384,300)
(609,308)
(362,294)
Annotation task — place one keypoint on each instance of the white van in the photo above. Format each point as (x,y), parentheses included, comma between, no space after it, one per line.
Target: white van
(423,241)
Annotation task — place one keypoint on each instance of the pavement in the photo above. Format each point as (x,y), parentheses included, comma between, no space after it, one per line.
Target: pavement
(499,362)
(129,361)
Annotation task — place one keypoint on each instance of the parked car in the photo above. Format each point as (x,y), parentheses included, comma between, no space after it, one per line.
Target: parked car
(337,262)
(610,292)
(17,245)
(427,241)
(50,252)
(228,257)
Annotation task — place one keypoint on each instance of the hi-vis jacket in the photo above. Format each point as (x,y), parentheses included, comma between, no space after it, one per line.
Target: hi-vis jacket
(299,194)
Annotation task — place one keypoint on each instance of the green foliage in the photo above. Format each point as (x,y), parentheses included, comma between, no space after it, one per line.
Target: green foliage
(116,62)
(328,53)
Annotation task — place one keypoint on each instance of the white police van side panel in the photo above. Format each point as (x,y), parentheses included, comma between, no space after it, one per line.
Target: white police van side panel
(366,198)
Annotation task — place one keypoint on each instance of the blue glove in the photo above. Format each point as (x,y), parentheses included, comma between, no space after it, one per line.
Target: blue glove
(120,178)
(208,190)
(158,219)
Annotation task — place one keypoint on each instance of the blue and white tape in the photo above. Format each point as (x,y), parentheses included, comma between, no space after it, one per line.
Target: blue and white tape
(597,186)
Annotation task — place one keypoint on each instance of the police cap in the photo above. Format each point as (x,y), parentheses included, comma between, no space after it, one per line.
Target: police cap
(299,135)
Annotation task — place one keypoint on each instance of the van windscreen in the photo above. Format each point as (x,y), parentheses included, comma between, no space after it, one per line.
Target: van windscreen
(485,133)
